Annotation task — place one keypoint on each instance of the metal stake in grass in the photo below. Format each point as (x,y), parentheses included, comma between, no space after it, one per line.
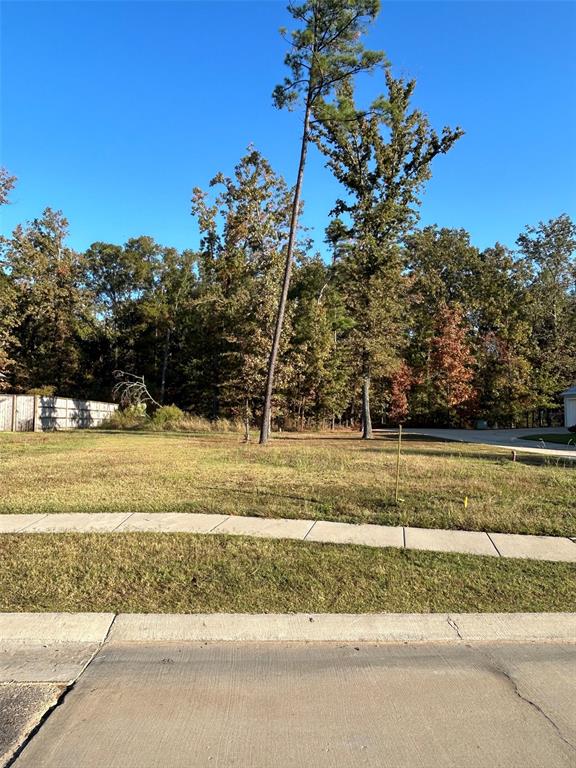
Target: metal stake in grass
(397,499)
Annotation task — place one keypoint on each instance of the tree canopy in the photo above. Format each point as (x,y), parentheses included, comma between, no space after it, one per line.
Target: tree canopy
(402,325)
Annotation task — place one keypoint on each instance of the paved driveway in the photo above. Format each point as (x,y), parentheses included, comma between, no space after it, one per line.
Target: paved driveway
(331,705)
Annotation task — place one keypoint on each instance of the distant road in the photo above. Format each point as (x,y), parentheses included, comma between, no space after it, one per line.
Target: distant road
(501,438)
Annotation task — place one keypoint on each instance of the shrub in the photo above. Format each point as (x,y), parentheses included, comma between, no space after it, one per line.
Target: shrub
(132,417)
(167,417)
(171,418)
(572,428)
(218,425)
(43,391)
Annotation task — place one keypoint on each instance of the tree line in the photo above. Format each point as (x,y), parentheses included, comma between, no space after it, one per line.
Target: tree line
(402,325)
(452,333)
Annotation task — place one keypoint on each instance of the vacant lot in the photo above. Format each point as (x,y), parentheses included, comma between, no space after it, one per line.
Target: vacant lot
(317,477)
(182,573)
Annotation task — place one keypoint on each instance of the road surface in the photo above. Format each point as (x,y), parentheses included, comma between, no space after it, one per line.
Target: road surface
(315,705)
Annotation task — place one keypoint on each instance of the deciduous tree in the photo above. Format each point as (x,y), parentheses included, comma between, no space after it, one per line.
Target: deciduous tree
(51,302)
(382,156)
(549,250)
(452,368)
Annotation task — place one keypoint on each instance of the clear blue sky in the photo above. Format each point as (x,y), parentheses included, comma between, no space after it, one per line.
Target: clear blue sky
(113,111)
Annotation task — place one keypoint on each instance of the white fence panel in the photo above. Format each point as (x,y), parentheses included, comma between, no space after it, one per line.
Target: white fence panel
(51,413)
(6,406)
(24,421)
(72,413)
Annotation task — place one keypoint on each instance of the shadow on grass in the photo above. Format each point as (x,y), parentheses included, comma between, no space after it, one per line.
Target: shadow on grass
(391,437)
(245,492)
(160,433)
(526,459)
(503,456)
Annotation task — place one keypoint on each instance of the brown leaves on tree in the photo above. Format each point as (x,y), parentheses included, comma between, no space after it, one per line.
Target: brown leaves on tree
(401,382)
(452,364)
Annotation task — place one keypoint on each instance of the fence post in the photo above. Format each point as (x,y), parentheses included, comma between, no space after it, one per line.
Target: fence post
(14,413)
(35,419)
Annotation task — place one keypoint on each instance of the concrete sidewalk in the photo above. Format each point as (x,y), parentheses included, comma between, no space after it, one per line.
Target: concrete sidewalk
(554,548)
(166,691)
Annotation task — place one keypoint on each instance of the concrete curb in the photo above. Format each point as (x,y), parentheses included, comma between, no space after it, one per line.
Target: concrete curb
(105,629)
(299,627)
(33,628)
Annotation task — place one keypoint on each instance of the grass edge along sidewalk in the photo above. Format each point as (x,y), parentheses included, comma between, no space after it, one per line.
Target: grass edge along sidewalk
(189,573)
(554,548)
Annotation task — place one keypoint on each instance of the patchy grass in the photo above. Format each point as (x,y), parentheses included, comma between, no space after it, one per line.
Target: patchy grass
(330,477)
(560,437)
(187,573)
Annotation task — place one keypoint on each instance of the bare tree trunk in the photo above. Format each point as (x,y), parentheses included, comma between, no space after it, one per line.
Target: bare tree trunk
(246,422)
(164,365)
(267,410)
(215,375)
(366,418)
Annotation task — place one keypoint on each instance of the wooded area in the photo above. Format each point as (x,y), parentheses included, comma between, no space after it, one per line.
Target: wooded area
(463,333)
(404,325)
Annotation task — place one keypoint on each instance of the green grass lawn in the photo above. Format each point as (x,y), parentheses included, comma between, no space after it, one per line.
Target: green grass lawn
(560,437)
(177,573)
(326,477)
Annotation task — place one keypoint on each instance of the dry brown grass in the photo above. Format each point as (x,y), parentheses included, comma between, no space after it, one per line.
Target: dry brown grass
(183,573)
(331,477)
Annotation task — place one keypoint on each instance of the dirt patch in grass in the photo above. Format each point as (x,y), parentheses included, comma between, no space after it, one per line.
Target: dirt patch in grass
(182,573)
(326,477)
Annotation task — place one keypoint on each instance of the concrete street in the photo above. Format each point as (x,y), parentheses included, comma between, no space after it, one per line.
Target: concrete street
(315,705)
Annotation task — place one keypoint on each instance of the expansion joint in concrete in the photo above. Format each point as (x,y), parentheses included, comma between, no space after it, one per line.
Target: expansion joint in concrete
(494,545)
(309,530)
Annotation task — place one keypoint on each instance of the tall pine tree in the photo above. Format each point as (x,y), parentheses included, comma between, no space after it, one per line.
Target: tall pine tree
(324,51)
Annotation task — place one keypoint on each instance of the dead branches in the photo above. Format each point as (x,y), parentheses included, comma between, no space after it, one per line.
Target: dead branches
(131,390)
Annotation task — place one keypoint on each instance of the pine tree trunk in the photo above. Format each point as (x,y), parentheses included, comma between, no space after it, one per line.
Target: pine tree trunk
(366,418)
(267,410)
(246,422)
(164,365)
(215,373)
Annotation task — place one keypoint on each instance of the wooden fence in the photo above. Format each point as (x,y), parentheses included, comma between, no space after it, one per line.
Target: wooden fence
(35,413)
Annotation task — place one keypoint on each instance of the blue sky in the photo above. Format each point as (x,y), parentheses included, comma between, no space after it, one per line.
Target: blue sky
(113,111)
